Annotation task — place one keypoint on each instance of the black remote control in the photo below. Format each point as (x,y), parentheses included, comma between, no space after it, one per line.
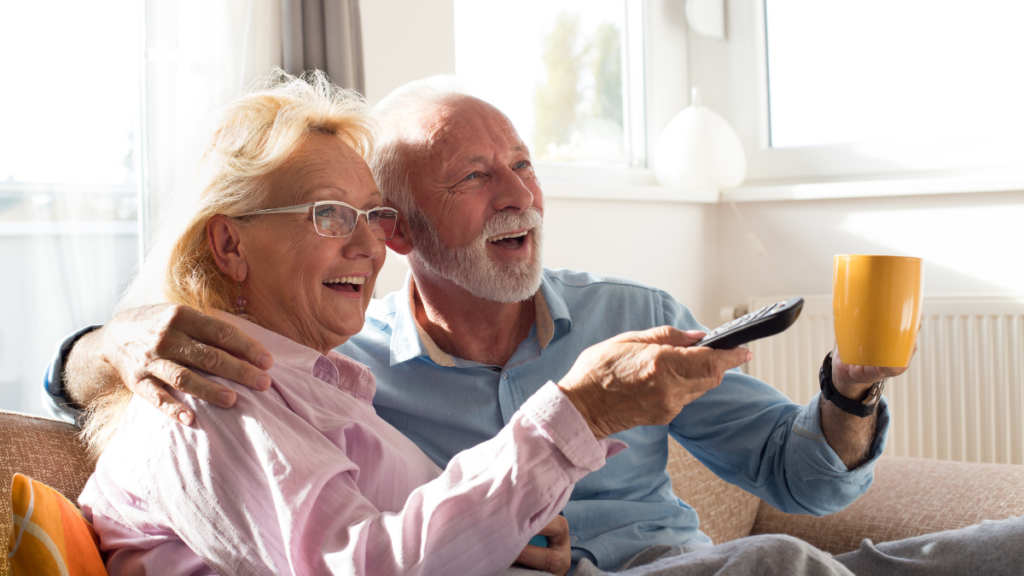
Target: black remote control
(761,323)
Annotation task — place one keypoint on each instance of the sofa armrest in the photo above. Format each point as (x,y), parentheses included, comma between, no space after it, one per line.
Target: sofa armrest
(909,497)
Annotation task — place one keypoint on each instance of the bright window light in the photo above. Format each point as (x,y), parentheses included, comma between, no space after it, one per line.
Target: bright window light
(70,98)
(69,122)
(556,68)
(898,71)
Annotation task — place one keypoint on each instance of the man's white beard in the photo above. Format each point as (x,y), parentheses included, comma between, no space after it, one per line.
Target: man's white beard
(470,268)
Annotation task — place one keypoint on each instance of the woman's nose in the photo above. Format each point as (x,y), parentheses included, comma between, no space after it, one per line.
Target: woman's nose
(364,240)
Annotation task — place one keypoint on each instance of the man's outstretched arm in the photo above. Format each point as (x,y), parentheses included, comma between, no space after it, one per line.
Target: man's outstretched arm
(152,347)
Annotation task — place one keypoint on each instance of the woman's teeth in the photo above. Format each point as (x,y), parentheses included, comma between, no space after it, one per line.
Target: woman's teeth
(347,280)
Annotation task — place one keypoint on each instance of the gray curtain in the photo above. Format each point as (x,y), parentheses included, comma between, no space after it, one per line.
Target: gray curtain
(324,35)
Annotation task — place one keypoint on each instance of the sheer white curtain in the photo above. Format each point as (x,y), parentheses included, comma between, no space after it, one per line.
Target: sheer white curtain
(68,121)
(200,54)
(92,151)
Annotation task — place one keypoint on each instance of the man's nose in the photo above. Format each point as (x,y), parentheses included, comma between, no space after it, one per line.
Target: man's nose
(512,192)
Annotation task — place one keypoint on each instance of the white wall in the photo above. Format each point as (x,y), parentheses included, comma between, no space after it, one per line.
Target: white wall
(971,243)
(404,40)
(666,245)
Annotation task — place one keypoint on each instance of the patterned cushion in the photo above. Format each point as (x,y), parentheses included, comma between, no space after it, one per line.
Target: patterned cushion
(44,449)
(50,534)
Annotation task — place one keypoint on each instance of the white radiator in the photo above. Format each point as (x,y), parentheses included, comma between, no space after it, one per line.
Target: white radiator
(963,396)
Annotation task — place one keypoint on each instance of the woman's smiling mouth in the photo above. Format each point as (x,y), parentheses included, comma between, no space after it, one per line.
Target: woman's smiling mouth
(350,284)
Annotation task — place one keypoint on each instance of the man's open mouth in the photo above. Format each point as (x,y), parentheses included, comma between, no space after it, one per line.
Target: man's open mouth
(512,240)
(346,283)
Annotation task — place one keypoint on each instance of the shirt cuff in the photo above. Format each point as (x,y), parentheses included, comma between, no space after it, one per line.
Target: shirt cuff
(559,420)
(54,400)
(819,457)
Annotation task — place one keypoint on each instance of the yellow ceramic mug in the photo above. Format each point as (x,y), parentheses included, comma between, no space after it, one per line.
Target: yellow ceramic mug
(876,306)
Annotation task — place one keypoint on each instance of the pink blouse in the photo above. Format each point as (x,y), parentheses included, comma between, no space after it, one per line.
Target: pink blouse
(305,478)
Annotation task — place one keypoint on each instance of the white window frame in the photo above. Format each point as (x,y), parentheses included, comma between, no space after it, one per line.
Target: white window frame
(655,62)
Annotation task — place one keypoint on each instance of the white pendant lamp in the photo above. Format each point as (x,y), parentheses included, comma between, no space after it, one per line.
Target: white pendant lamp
(699,150)
(706,17)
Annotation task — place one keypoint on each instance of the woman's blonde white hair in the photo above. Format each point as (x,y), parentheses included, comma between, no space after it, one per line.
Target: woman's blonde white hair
(258,133)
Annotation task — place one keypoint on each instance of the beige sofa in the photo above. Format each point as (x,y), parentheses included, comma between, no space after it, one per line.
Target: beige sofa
(909,496)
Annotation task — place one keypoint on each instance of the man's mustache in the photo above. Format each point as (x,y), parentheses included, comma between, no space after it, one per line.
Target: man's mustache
(507,221)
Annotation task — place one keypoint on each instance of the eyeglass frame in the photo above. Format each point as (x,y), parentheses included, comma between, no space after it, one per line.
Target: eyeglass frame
(305,208)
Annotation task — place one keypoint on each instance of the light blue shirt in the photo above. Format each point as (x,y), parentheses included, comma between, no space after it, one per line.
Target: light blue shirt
(745,431)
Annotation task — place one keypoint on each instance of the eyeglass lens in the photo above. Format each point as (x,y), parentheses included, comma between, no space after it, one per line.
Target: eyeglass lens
(338,220)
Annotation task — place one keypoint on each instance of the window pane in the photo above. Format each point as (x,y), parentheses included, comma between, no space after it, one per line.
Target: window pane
(913,71)
(556,68)
(68,208)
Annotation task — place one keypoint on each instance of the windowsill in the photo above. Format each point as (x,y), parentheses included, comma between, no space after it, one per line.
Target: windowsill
(892,187)
(630,193)
(949,184)
(577,182)
(68,227)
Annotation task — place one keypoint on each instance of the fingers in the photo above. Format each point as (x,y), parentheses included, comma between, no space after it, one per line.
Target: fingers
(665,335)
(224,336)
(557,557)
(156,348)
(700,362)
(216,347)
(184,380)
(556,530)
(220,363)
(154,393)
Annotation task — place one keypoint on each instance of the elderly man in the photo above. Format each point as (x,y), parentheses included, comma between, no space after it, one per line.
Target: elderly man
(480,326)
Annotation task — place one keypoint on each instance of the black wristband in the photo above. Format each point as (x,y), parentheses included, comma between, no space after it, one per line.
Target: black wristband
(828,392)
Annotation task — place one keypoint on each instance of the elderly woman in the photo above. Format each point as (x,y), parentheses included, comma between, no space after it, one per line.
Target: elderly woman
(285,243)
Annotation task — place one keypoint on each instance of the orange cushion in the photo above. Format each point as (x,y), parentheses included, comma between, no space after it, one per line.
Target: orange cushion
(50,535)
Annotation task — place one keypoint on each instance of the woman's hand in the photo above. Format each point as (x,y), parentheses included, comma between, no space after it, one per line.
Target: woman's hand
(557,557)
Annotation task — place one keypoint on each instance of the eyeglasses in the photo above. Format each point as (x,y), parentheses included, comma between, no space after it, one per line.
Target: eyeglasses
(338,220)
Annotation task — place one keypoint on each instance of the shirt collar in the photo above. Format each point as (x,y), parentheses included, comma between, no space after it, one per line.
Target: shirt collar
(333,368)
(409,340)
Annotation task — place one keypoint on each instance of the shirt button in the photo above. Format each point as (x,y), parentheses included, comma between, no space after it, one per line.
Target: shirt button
(504,376)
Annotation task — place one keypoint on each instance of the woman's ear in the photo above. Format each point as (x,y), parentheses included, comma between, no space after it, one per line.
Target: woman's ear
(226,243)
(401,242)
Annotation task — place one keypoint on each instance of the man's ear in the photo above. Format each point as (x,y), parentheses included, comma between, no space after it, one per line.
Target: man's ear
(401,242)
(226,243)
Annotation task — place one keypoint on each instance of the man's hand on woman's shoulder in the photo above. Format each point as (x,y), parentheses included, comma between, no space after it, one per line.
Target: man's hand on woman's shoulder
(151,348)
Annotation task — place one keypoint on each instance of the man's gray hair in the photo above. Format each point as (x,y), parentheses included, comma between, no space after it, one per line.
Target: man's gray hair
(400,134)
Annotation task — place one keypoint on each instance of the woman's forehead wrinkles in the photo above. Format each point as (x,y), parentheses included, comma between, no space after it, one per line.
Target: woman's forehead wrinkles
(322,168)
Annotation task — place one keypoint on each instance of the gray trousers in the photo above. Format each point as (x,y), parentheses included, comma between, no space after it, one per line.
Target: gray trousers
(992,548)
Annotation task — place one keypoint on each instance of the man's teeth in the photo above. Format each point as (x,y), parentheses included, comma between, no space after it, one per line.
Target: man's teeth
(346,280)
(504,236)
